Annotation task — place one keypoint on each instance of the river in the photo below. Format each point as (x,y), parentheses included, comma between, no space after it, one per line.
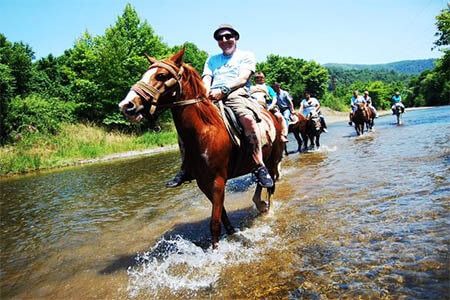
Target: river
(365,217)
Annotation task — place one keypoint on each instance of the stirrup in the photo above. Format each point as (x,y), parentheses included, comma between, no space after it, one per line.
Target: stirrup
(263,177)
(179,179)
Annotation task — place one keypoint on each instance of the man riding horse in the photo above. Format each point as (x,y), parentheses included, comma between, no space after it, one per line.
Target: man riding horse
(356,99)
(226,77)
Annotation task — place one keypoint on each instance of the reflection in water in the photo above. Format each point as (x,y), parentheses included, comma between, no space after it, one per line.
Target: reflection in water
(362,217)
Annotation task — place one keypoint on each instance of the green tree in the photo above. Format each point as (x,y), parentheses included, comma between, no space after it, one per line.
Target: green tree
(192,55)
(102,68)
(433,87)
(295,75)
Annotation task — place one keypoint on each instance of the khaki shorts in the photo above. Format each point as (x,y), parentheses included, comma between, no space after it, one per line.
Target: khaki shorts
(241,104)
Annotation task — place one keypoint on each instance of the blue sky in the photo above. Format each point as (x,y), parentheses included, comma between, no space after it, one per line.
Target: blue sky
(344,31)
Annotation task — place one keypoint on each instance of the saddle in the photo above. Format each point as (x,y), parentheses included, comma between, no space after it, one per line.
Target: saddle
(293,119)
(236,131)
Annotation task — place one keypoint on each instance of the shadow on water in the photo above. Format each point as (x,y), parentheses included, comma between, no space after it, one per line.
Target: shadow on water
(197,233)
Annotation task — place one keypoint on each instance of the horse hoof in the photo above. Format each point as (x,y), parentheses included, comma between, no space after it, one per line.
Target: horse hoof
(262,207)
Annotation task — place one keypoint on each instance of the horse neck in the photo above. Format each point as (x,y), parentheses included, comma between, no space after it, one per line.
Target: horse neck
(192,118)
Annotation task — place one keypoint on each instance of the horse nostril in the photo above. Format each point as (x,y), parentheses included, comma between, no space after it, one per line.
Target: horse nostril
(130,108)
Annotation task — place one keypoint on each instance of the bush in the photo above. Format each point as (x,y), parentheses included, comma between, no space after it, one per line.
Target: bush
(34,113)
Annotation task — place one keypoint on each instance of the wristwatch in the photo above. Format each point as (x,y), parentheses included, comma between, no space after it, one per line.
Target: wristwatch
(225,90)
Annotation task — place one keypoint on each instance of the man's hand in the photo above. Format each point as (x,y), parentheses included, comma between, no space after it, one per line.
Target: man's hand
(215,94)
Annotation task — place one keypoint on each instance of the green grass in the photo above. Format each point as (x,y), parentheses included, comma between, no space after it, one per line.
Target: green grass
(74,142)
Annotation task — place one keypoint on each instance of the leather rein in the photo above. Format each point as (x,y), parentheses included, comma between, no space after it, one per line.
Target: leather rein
(151,94)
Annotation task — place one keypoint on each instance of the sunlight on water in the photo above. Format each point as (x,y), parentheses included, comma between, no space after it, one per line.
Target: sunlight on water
(178,264)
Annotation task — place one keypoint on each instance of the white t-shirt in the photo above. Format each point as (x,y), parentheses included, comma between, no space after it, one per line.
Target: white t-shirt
(224,70)
(309,105)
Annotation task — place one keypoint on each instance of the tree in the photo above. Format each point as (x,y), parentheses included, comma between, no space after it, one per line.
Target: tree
(102,68)
(192,55)
(433,87)
(295,75)
(443,26)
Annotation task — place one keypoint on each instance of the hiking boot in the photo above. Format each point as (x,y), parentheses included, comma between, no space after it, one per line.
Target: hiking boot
(284,139)
(350,123)
(179,179)
(263,177)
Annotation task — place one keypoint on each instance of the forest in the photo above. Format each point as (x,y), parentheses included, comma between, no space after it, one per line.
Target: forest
(85,84)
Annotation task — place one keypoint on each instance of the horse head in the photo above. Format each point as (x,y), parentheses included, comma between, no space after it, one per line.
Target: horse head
(314,120)
(161,87)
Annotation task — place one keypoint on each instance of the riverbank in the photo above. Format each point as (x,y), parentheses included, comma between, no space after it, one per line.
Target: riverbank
(84,144)
(78,144)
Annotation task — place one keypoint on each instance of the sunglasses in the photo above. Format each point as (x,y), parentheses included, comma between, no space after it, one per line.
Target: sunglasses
(226,36)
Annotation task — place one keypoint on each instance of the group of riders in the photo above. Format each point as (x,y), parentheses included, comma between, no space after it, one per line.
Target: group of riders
(366,100)
(226,77)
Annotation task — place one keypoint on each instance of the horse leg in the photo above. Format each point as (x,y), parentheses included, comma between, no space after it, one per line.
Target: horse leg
(299,140)
(305,141)
(226,222)
(260,205)
(217,196)
(318,140)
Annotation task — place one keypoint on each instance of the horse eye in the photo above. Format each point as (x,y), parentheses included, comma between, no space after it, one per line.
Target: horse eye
(160,77)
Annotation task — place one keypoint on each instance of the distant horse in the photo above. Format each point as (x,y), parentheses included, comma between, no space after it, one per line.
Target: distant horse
(309,128)
(398,111)
(360,118)
(210,155)
(370,122)
(298,128)
(313,130)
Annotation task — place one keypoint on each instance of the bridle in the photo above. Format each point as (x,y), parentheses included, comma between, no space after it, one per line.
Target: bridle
(151,94)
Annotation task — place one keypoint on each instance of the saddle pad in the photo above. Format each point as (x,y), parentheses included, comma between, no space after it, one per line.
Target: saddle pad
(236,132)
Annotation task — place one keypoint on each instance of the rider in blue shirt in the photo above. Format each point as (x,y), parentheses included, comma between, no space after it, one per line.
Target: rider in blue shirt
(355,100)
(397,100)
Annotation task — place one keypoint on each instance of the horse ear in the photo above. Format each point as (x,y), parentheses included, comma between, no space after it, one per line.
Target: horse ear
(178,58)
(150,59)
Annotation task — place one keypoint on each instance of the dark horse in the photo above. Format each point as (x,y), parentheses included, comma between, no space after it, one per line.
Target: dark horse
(398,111)
(313,130)
(309,128)
(360,117)
(210,156)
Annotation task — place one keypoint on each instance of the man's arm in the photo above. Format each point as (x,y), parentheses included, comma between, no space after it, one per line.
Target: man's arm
(273,104)
(217,94)
(300,110)
(207,81)
(291,104)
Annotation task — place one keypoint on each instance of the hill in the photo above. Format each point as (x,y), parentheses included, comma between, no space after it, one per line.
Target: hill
(404,67)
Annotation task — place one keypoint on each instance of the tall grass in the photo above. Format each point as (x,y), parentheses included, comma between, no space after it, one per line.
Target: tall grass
(73,143)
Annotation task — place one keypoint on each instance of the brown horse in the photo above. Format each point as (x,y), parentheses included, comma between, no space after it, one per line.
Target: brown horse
(360,118)
(298,128)
(210,156)
(309,128)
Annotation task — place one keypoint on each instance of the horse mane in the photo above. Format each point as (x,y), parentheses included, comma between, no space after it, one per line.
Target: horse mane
(193,88)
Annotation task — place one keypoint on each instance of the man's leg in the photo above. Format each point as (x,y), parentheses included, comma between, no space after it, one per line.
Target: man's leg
(181,176)
(247,113)
(324,124)
(374,110)
(284,127)
(253,135)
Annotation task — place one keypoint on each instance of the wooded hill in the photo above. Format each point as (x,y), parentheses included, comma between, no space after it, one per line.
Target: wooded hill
(416,66)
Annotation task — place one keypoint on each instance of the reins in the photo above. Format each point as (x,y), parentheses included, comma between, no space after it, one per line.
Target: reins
(151,94)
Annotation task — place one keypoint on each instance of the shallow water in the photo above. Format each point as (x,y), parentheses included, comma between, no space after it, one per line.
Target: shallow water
(362,217)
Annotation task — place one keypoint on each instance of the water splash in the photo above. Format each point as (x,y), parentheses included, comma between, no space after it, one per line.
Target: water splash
(177,265)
